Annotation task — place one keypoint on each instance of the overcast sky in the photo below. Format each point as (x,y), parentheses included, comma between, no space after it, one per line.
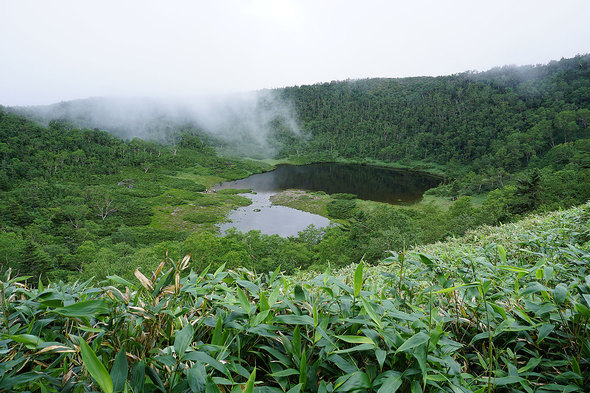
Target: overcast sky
(58,50)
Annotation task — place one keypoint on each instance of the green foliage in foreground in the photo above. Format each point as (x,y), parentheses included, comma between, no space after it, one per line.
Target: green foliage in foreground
(511,316)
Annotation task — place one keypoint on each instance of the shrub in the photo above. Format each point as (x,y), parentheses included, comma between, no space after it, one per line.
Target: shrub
(202,217)
(341,195)
(341,208)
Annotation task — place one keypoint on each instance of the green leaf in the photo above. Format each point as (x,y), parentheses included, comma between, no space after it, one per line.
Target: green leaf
(197,378)
(259,318)
(207,359)
(380,354)
(502,254)
(358,279)
(357,348)
(544,331)
(303,369)
(503,381)
(219,270)
(391,384)
(217,333)
(371,312)
(138,379)
(533,287)
(415,341)
(515,269)
(560,294)
(95,367)
(451,289)
(249,388)
(263,302)
(416,387)
(296,341)
(427,261)
(244,303)
(299,293)
(122,281)
(356,339)
(296,389)
(85,309)
(211,386)
(27,339)
(155,378)
(285,373)
(119,371)
(355,382)
(183,339)
(295,319)
(576,367)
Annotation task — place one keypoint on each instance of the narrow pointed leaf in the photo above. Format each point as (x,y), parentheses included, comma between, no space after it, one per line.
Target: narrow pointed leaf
(119,371)
(414,341)
(95,367)
(250,384)
(183,339)
(358,279)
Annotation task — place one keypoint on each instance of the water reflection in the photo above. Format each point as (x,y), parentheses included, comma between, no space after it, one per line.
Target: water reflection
(367,182)
(262,216)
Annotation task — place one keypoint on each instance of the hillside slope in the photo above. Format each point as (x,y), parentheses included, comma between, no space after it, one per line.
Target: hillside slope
(502,309)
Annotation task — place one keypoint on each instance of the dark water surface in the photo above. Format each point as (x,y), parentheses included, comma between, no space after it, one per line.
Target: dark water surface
(367,182)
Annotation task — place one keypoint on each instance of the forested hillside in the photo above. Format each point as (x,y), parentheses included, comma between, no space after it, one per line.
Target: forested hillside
(502,119)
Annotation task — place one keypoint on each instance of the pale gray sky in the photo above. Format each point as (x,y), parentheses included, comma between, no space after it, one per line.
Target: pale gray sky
(59,50)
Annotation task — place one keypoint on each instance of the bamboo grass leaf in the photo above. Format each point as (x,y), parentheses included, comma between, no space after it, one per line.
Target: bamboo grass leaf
(244,303)
(371,312)
(296,341)
(211,386)
(28,339)
(138,379)
(197,378)
(285,373)
(119,371)
(560,294)
(391,384)
(296,389)
(356,339)
(416,340)
(380,354)
(145,282)
(249,387)
(502,254)
(183,339)
(122,281)
(358,279)
(95,367)
(303,369)
(85,309)
(206,359)
(299,293)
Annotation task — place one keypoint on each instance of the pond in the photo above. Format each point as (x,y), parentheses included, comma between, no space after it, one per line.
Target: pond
(367,182)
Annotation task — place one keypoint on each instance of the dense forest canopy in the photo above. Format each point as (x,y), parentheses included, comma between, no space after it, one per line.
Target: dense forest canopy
(504,118)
